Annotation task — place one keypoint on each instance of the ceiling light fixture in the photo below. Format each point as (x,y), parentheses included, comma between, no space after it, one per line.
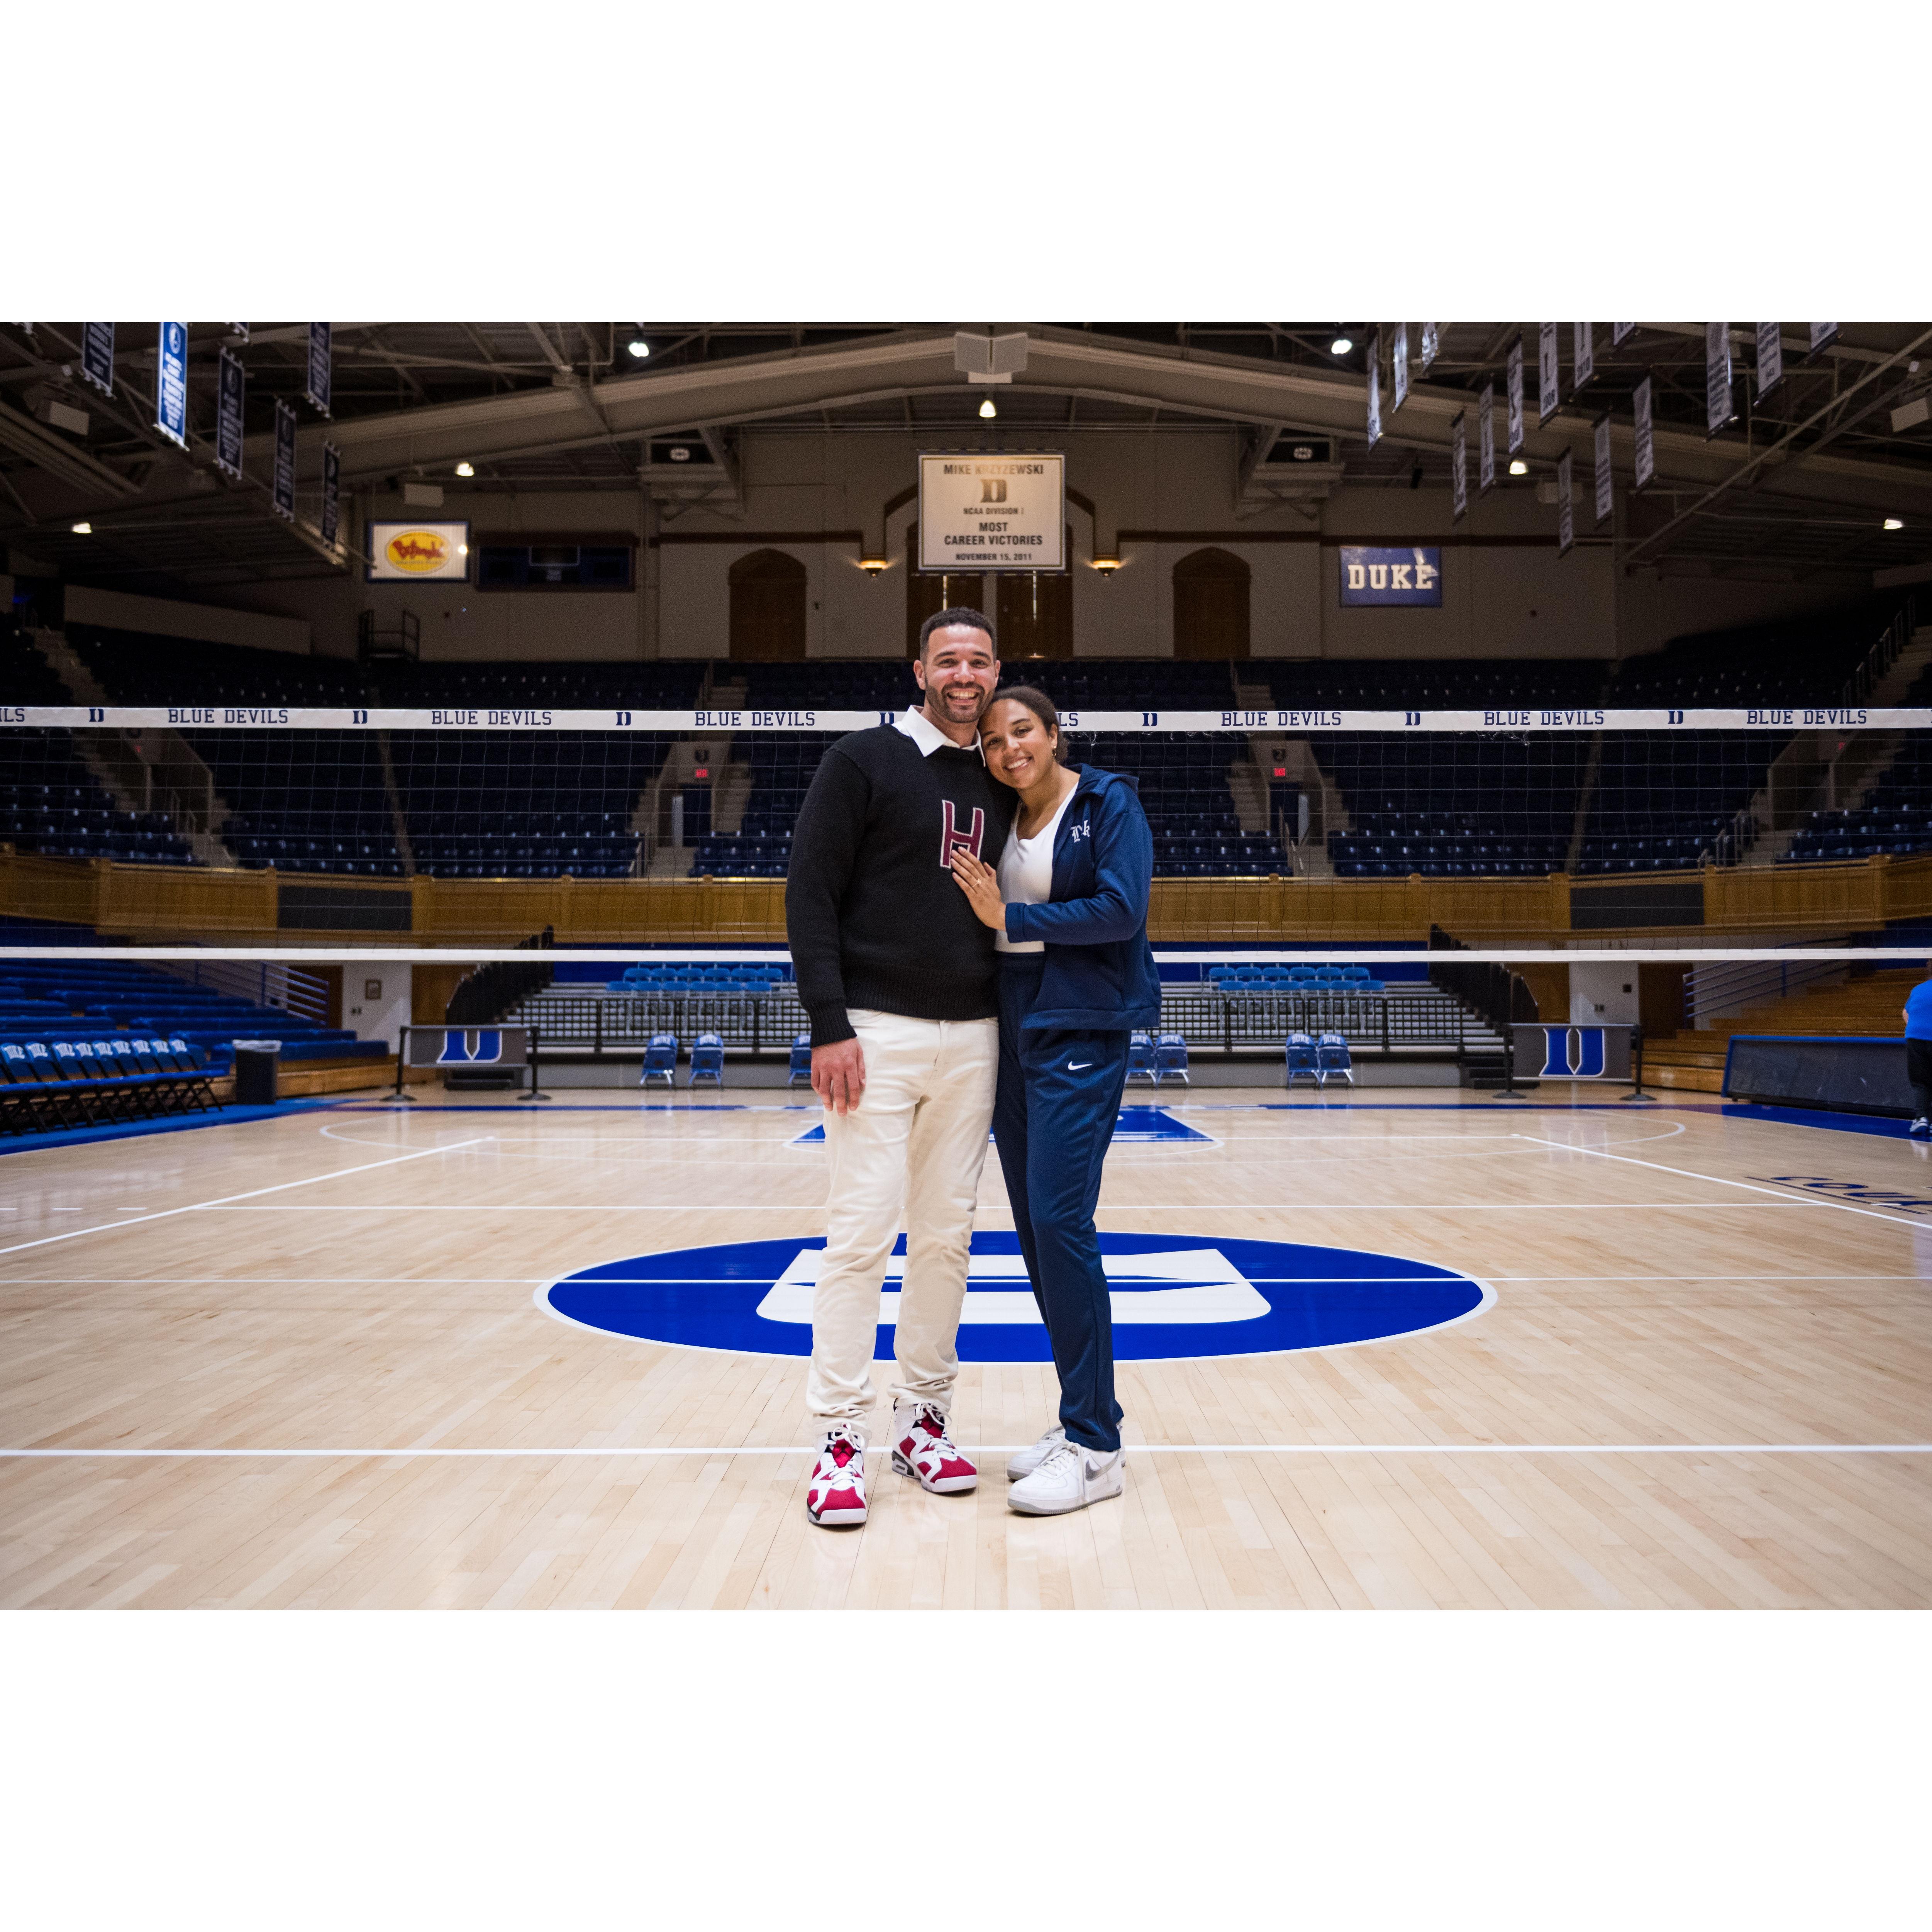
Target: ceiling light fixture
(466,470)
(1518,467)
(1895,523)
(987,410)
(1340,346)
(638,347)
(83,529)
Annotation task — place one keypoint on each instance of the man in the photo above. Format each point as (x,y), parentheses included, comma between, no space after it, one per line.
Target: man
(899,980)
(1918,1055)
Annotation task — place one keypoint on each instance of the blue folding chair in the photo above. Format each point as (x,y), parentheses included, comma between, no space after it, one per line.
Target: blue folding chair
(660,1060)
(1331,1057)
(1301,1058)
(707,1060)
(1170,1060)
(801,1060)
(1140,1059)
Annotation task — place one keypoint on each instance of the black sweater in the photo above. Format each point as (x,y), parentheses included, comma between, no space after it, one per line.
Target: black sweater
(874,915)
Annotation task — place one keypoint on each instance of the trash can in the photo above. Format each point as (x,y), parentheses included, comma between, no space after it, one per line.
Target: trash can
(255,1062)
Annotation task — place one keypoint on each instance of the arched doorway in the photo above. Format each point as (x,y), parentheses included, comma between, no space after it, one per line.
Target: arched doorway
(1210,605)
(768,592)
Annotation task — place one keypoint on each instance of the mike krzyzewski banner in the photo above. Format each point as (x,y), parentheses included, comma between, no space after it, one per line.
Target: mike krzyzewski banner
(487,718)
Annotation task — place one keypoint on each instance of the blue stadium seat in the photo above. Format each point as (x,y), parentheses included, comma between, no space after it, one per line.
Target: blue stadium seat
(1140,1059)
(707,1060)
(660,1060)
(1299,1056)
(1170,1061)
(1331,1058)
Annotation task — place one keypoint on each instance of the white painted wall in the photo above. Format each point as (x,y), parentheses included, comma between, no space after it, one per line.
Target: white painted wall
(383,1013)
(206,623)
(1603,994)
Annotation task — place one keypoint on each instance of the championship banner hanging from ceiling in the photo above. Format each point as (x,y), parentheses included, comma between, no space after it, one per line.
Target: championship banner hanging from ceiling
(1583,353)
(1621,332)
(1399,367)
(1717,409)
(419,552)
(1432,345)
(1823,335)
(1606,487)
(96,355)
(1486,439)
(171,383)
(1566,514)
(1770,358)
(1515,397)
(285,461)
(1375,387)
(1646,447)
(1549,374)
(320,374)
(228,401)
(331,493)
(1412,575)
(1459,466)
(980,512)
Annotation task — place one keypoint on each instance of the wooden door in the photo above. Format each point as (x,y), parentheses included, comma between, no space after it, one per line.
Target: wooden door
(926,596)
(1036,614)
(1210,605)
(768,594)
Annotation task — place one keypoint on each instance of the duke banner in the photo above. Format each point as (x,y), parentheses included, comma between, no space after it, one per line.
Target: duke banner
(1566,514)
(1514,379)
(1398,366)
(1486,439)
(1621,332)
(1583,353)
(1413,575)
(1770,358)
(1606,489)
(96,355)
(171,384)
(1459,466)
(228,406)
(331,493)
(1823,335)
(285,461)
(1717,409)
(1646,447)
(1548,373)
(320,375)
(991,512)
(1432,345)
(1375,387)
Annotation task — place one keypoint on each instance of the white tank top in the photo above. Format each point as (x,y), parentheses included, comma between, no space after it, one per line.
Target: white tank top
(1026,873)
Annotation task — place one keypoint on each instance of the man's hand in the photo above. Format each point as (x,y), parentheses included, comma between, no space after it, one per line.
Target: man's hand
(838,1075)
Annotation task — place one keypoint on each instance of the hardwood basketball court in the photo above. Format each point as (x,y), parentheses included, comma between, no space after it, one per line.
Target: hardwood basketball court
(305,1361)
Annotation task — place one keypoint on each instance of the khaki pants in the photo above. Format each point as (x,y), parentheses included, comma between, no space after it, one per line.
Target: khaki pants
(909,1155)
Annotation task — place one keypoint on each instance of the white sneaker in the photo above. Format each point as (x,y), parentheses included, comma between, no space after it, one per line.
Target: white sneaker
(1024,1461)
(1921,1126)
(1069,1477)
(835,1499)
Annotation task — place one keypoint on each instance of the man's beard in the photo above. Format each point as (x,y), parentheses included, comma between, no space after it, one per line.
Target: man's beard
(964,708)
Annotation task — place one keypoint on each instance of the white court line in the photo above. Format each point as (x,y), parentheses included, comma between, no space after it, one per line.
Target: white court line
(1105,1206)
(1718,1179)
(1007,1448)
(225,1200)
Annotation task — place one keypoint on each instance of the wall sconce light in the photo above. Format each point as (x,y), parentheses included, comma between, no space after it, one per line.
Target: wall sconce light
(872,566)
(1106,565)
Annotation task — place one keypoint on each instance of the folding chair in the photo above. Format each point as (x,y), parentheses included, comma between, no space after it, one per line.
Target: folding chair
(801,1060)
(660,1060)
(1331,1056)
(707,1060)
(1170,1060)
(1140,1059)
(184,1057)
(1300,1059)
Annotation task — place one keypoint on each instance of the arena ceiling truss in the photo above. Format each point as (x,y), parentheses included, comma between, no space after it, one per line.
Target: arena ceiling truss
(1798,487)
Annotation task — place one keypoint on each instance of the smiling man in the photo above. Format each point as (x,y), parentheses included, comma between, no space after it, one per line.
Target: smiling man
(900,981)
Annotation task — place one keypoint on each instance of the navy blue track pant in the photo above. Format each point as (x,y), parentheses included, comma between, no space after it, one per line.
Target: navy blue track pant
(1054,1111)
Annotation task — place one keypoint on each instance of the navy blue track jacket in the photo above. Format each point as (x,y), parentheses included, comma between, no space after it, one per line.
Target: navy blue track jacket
(1100,974)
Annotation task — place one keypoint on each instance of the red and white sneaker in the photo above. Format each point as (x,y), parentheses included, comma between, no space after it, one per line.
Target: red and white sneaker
(835,1497)
(921,1447)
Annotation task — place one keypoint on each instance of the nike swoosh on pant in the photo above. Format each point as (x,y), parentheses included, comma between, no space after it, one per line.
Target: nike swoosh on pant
(1080,1069)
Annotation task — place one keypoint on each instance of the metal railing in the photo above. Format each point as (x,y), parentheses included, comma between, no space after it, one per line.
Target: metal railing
(307,996)
(1716,992)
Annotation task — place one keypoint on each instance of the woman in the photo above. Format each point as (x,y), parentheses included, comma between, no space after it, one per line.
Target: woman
(1068,906)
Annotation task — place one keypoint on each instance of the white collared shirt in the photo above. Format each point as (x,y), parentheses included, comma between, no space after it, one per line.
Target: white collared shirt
(925,734)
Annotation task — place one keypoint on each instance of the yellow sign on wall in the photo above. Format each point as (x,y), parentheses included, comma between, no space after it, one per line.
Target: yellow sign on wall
(414,552)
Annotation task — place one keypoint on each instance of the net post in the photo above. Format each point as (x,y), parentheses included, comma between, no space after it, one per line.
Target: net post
(402,1060)
(536,1092)
(1636,1096)
(1509,1090)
